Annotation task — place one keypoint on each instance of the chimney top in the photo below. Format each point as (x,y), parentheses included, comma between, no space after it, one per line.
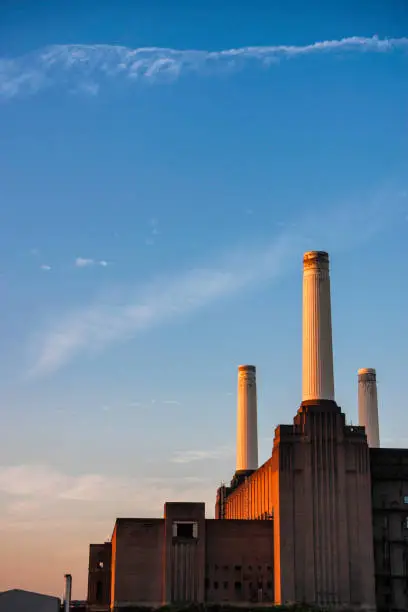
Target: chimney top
(316,259)
(363,371)
(246,368)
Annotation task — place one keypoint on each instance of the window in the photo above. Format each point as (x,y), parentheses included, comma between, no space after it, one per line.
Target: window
(405,499)
(406,522)
(225,585)
(386,555)
(238,568)
(185,529)
(99,590)
(216,585)
(238,586)
(269,585)
(207,583)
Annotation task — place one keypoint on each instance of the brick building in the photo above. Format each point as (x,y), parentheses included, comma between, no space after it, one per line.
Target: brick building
(251,496)
(182,558)
(389,473)
(324,521)
(317,487)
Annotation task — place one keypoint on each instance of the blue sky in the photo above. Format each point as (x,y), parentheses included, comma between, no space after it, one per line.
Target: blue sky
(155,206)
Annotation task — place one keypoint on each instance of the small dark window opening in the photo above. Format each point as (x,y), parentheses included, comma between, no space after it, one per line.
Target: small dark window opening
(250,567)
(238,586)
(238,568)
(99,591)
(269,568)
(215,585)
(269,585)
(225,585)
(185,530)
(207,583)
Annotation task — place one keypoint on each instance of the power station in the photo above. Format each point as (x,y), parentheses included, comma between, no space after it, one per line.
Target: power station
(324,521)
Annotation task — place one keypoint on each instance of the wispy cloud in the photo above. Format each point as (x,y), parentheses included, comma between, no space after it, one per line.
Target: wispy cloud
(190,456)
(83,262)
(39,490)
(102,322)
(45,267)
(89,66)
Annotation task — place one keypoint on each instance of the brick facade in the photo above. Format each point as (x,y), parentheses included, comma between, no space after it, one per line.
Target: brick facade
(185,558)
(324,521)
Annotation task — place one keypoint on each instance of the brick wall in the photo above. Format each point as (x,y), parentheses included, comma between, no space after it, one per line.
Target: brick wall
(137,551)
(99,574)
(389,473)
(239,561)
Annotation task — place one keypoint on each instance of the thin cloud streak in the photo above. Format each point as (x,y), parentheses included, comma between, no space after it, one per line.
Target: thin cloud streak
(84,262)
(191,456)
(96,326)
(36,494)
(90,66)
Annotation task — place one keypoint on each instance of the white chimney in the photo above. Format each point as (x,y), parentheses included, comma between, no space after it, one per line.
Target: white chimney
(68,592)
(368,405)
(317,366)
(247,422)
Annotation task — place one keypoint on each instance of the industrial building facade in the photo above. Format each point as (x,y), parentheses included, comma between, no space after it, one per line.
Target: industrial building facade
(317,486)
(324,521)
(182,558)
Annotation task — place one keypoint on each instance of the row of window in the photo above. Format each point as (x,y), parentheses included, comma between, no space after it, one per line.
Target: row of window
(237,585)
(238,568)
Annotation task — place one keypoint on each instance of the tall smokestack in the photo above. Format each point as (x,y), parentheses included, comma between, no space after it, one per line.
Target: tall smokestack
(317,375)
(247,426)
(68,591)
(368,405)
